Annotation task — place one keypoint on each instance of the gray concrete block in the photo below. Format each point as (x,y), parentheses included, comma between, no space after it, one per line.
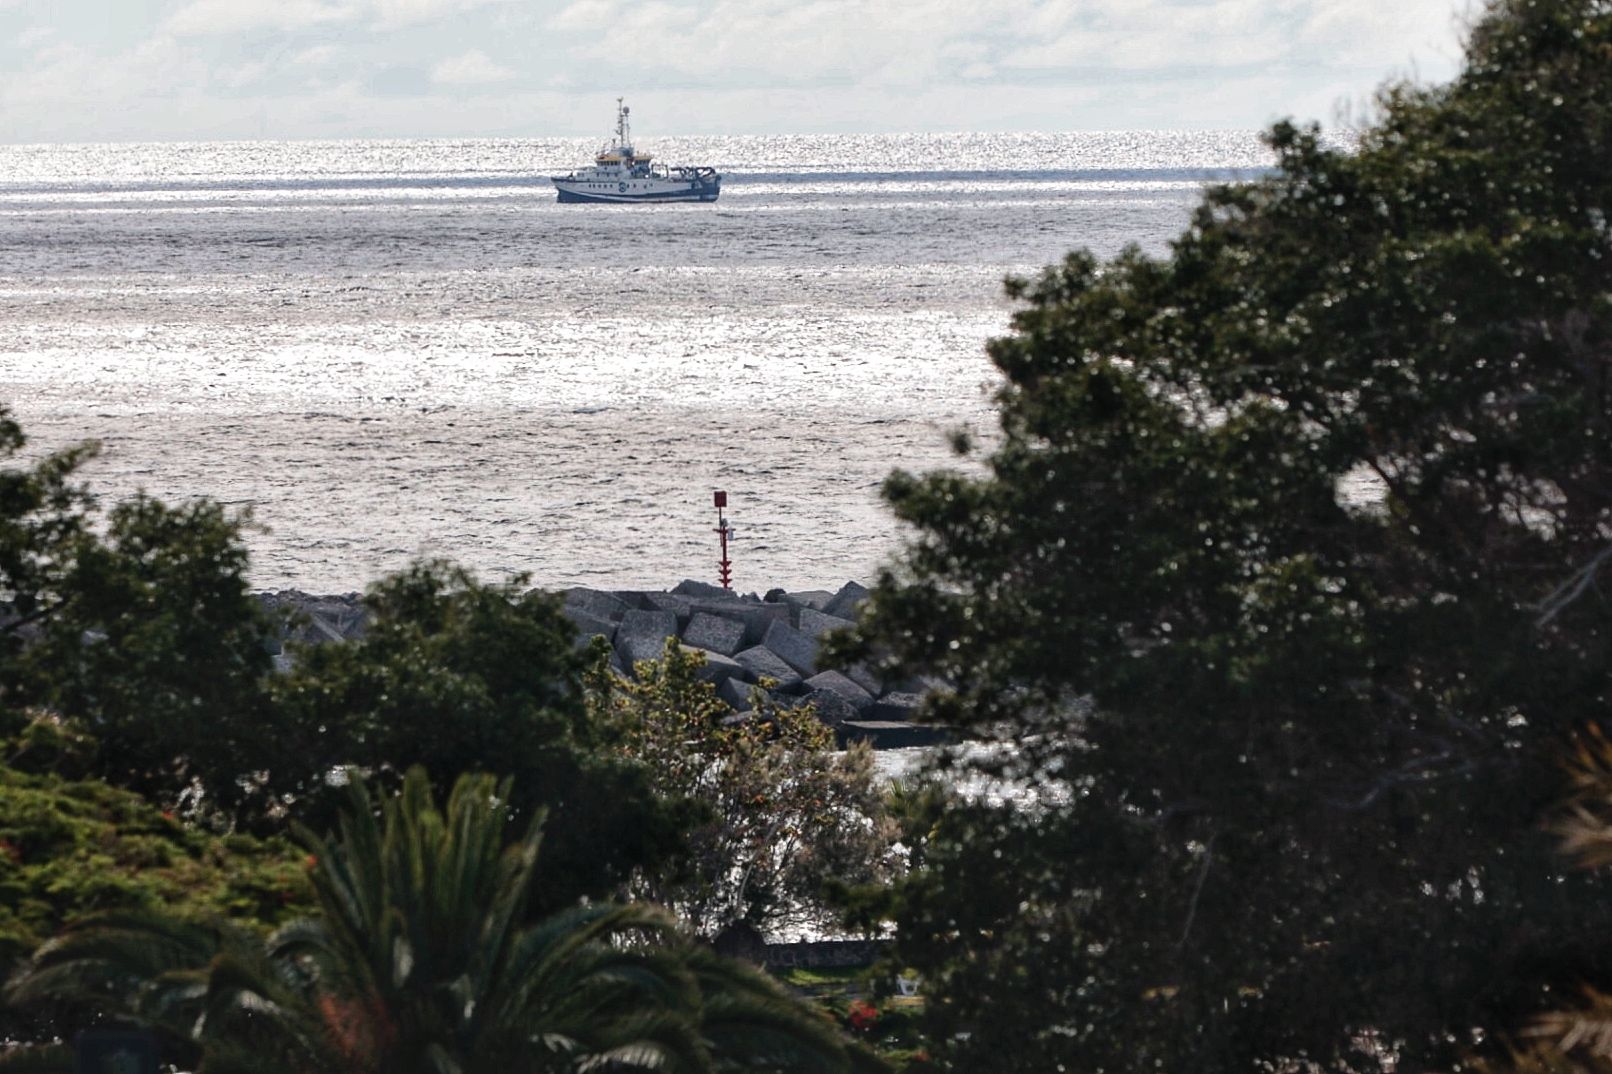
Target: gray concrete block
(718,668)
(818,623)
(311,627)
(346,614)
(302,617)
(642,635)
(831,708)
(797,650)
(588,625)
(736,692)
(713,632)
(889,736)
(688,587)
(896,707)
(762,662)
(755,615)
(864,677)
(598,604)
(846,600)
(660,625)
(669,602)
(633,598)
(835,682)
(815,599)
(632,648)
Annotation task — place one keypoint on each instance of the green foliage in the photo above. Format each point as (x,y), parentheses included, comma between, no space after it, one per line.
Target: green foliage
(138,624)
(419,961)
(1300,816)
(41,520)
(160,650)
(782,812)
(454,675)
(69,848)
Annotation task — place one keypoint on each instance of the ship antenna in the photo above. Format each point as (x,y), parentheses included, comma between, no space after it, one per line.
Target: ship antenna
(621,121)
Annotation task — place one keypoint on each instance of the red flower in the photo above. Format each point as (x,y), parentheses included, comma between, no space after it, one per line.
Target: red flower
(312,861)
(862,1015)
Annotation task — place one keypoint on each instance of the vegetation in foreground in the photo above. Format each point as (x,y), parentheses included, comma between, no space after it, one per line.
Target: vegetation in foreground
(421,959)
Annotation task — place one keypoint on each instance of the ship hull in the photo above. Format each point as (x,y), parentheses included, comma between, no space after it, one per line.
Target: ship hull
(601,194)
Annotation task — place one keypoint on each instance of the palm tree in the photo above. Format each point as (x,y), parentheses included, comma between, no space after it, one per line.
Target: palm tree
(420,962)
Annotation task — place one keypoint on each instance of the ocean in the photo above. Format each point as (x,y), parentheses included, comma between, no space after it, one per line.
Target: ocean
(388,350)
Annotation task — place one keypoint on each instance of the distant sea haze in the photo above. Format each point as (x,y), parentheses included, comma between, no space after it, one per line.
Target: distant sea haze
(395,349)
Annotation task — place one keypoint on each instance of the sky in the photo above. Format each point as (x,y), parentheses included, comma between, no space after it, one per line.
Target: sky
(166,70)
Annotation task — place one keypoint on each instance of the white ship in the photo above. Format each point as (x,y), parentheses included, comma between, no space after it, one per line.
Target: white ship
(622,174)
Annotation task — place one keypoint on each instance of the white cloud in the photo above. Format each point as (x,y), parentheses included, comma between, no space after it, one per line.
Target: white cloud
(781,41)
(912,42)
(199,68)
(471,68)
(216,17)
(393,13)
(585,15)
(1162,35)
(317,56)
(68,82)
(1372,33)
(240,76)
(208,17)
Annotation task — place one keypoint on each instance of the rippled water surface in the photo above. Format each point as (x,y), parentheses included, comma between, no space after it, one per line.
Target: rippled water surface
(390,349)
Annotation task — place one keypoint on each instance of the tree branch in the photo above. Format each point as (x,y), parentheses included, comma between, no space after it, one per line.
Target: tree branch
(1573,588)
(1197,891)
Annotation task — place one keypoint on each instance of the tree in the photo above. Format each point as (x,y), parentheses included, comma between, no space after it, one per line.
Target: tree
(159,650)
(419,961)
(783,812)
(456,675)
(139,624)
(1298,818)
(41,518)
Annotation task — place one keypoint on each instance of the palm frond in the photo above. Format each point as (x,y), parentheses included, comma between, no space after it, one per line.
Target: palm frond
(1584,1030)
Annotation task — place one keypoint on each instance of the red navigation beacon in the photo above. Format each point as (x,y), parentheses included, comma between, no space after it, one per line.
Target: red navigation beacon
(724,565)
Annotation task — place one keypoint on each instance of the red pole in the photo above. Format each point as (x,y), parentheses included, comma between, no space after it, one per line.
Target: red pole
(724,566)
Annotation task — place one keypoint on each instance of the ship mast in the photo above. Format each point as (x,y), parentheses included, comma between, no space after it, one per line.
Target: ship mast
(621,122)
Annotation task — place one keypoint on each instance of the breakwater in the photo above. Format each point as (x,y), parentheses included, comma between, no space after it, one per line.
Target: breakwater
(745,641)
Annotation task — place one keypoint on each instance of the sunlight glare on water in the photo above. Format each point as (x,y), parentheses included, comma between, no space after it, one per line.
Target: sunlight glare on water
(389,349)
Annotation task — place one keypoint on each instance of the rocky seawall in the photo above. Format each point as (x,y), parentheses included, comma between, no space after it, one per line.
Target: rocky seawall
(743,639)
